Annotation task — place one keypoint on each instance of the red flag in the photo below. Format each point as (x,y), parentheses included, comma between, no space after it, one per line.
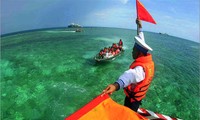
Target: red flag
(143,14)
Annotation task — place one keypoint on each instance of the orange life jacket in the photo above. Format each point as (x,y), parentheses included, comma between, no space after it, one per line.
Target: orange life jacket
(120,43)
(137,92)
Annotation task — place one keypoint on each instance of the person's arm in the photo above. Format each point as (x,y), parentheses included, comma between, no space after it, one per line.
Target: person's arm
(130,76)
(139,23)
(135,75)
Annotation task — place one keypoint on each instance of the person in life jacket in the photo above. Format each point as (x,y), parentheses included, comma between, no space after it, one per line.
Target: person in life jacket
(120,42)
(137,79)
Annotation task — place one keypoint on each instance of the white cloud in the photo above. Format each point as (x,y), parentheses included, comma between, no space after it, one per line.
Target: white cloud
(100,15)
(176,26)
(111,17)
(124,1)
(113,13)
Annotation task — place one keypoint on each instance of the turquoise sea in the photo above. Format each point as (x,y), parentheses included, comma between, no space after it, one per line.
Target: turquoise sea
(48,74)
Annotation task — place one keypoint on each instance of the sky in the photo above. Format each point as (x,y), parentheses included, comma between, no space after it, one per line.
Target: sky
(178,18)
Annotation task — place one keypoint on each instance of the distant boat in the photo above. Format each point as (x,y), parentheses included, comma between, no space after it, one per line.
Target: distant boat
(79,30)
(163,33)
(73,25)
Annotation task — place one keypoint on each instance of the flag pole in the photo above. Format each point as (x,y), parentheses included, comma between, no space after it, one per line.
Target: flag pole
(137,17)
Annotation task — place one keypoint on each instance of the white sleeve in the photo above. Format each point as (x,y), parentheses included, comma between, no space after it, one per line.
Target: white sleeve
(131,76)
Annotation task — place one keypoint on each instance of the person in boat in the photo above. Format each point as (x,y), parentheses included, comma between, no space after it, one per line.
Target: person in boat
(114,45)
(105,49)
(106,52)
(117,51)
(137,79)
(112,51)
(101,53)
(120,44)
(114,48)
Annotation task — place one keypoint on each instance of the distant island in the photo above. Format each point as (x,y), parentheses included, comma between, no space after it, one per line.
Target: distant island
(73,25)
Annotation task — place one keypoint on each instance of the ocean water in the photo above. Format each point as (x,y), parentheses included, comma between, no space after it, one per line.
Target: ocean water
(51,73)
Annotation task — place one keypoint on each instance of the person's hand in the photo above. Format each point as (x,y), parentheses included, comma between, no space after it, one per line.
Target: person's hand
(138,22)
(110,89)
